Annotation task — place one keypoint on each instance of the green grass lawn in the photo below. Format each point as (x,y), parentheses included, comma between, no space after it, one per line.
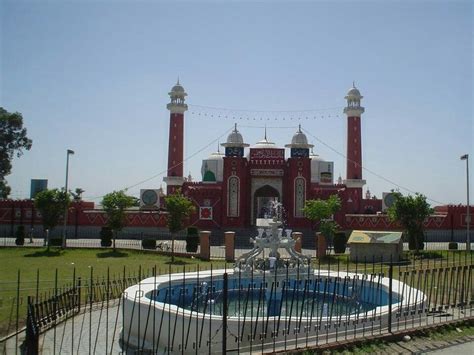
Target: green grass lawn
(23,267)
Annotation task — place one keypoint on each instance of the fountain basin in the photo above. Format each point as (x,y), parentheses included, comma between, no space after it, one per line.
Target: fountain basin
(184,311)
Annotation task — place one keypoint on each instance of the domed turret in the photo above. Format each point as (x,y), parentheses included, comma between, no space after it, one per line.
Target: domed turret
(299,140)
(234,147)
(353,97)
(177,96)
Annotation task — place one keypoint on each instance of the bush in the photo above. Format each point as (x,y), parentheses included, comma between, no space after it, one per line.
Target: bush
(340,242)
(20,235)
(55,242)
(192,240)
(106,236)
(453,246)
(149,243)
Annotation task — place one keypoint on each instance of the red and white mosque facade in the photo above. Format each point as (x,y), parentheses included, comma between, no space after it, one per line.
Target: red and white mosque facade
(239,185)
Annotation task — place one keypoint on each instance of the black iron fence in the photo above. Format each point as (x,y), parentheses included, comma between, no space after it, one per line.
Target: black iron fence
(217,309)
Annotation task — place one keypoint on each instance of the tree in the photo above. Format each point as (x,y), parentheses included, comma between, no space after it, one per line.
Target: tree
(179,208)
(13,140)
(410,212)
(115,204)
(322,211)
(77,194)
(52,204)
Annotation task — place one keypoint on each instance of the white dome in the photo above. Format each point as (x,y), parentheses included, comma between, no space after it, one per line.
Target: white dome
(216,156)
(354,93)
(235,138)
(264,143)
(299,140)
(316,158)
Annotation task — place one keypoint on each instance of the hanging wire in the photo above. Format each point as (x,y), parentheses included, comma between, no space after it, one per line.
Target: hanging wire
(368,170)
(165,171)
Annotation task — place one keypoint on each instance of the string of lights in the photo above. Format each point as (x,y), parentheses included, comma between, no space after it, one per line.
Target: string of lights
(210,112)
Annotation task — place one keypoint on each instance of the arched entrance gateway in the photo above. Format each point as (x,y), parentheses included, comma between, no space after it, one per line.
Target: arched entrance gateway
(264,199)
(264,192)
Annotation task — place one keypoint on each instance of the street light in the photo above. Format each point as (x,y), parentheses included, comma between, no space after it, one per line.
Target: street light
(69,152)
(468,215)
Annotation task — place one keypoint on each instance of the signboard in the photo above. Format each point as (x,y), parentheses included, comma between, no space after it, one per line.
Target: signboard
(266,172)
(267,154)
(38,185)
(326,175)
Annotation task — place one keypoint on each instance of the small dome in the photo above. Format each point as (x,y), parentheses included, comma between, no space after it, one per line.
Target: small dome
(264,143)
(299,140)
(353,92)
(299,137)
(177,89)
(315,157)
(235,137)
(216,156)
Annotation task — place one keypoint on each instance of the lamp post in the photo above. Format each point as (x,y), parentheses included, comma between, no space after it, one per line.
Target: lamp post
(69,152)
(468,215)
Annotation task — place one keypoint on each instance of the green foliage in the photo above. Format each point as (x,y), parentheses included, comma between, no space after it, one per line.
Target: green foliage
(322,211)
(411,211)
(106,235)
(13,140)
(20,235)
(149,243)
(179,208)
(192,240)
(52,204)
(340,242)
(115,204)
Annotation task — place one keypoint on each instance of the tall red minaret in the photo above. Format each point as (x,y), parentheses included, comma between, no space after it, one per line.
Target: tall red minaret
(177,107)
(354,180)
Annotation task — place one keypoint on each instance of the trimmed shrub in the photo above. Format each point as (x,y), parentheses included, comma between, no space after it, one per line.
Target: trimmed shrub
(106,236)
(149,243)
(453,246)
(340,242)
(55,242)
(20,235)
(192,240)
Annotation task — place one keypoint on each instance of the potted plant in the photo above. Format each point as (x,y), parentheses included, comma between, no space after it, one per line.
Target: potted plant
(192,240)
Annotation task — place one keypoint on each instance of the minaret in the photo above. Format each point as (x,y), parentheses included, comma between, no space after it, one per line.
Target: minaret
(353,110)
(177,107)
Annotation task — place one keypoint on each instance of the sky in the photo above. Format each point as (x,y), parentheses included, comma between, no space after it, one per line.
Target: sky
(94,77)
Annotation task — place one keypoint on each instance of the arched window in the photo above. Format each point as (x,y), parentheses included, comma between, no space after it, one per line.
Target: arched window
(233,189)
(300,196)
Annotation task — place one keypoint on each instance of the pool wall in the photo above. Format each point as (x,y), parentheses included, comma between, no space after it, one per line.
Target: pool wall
(152,325)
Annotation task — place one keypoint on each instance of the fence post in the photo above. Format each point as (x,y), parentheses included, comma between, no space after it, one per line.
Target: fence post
(204,240)
(32,339)
(78,294)
(229,246)
(224,314)
(390,298)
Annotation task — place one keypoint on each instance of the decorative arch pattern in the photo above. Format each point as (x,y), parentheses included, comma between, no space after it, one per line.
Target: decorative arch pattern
(300,196)
(233,192)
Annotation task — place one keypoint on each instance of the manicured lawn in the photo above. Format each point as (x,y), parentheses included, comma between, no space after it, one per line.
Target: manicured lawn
(24,266)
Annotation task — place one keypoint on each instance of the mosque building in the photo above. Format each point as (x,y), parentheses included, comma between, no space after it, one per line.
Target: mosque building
(240,185)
